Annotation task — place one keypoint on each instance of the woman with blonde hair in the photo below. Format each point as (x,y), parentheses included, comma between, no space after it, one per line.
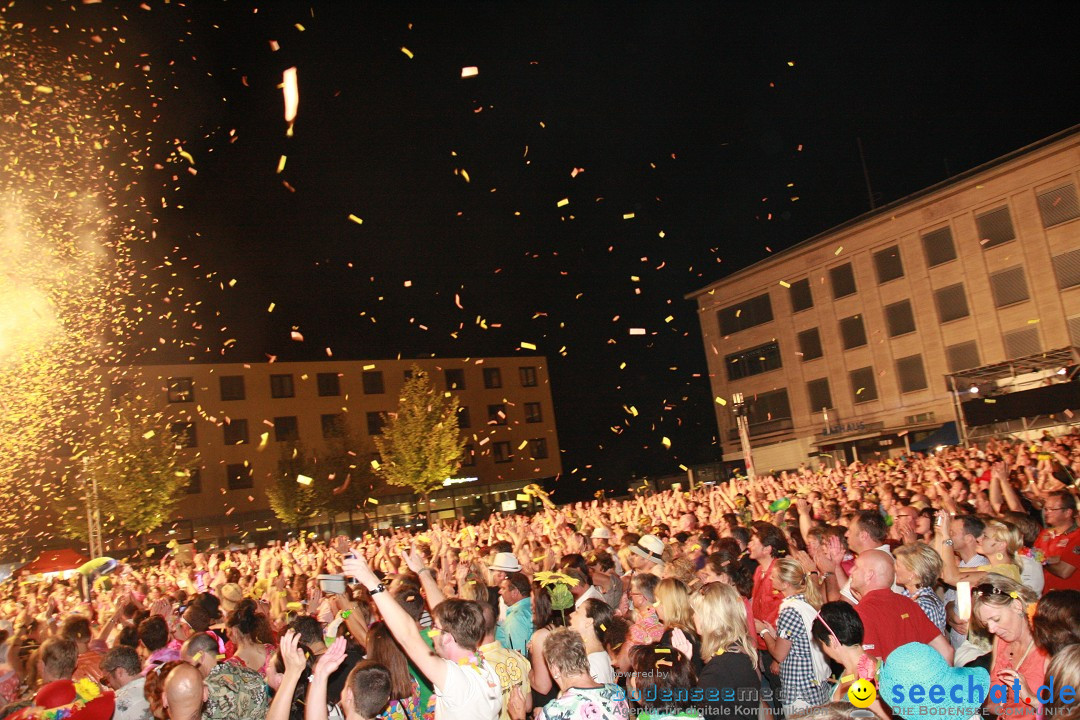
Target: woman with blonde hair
(918,567)
(673,608)
(998,543)
(999,604)
(803,671)
(729,674)
(1064,671)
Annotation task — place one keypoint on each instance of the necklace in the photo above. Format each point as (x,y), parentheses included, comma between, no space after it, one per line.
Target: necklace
(1017,664)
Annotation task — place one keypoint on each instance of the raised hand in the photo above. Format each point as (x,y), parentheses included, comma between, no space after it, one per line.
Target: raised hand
(292,653)
(331,660)
(413,560)
(680,642)
(358,568)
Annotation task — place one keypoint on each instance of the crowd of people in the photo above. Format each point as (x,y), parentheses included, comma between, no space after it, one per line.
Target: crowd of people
(790,595)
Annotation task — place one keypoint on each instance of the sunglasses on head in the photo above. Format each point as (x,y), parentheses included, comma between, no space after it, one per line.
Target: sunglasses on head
(991,589)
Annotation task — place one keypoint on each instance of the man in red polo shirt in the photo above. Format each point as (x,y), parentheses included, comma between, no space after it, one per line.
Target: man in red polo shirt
(890,619)
(1060,542)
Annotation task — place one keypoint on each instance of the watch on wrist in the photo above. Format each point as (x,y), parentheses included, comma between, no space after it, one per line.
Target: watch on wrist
(377,589)
(947,542)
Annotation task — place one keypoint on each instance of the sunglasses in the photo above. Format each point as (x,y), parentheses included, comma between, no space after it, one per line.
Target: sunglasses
(991,589)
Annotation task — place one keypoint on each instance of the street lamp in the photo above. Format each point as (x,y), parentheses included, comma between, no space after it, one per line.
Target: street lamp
(741,411)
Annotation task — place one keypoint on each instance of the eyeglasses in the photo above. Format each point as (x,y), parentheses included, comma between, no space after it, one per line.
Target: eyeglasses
(1057,509)
(991,589)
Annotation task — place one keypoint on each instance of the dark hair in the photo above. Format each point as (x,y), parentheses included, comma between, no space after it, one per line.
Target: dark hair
(197,617)
(843,620)
(59,657)
(210,603)
(1027,526)
(408,596)
(154,633)
(770,536)
(708,535)
(574,560)
(873,524)
(1056,623)
(250,622)
(739,569)
(973,526)
(601,614)
(661,680)
(76,628)
(1068,500)
(615,635)
(308,628)
(601,559)
(201,643)
(128,636)
(122,657)
(296,708)
(463,619)
(370,685)
(519,582)
(502,546)
(383,649)
(542,613)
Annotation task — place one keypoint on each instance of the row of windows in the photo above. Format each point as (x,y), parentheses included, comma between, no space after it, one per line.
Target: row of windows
(994,227)
(232,387)
(286,427)
(239,476)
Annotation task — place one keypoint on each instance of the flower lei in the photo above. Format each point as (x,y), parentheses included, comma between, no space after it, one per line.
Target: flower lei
(85,691)
(1037,555)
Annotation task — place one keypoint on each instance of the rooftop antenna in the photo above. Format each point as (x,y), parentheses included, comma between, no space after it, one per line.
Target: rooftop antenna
(866,173)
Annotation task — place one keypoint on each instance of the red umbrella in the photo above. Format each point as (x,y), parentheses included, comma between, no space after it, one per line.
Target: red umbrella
(51,561)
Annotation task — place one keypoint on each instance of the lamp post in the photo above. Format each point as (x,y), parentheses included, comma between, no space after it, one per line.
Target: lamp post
(740,410)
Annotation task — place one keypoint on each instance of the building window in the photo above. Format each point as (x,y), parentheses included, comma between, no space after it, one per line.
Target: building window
(528,376)
(497,414)
(951,303)
(800,295)
(863,385)
(455,379)
(239,476)
(468,455)
(853,332)
(281,386)
(184,432)
(376,421)
(286,429)
(938,246)
(1074,329)
(818,393)
(962,356)
(767,407)
(1009,287)
(232,387)
(753,362)
(1067,269)
(181,390)
(329,384)
(1058,205)
(373,382)
(492,378)
(899,318)
(747,314)
(538,449)
(995,227)
(1022,343)
(810,344)
(501,451)
(533,413)
(888,265)
(236,432)
(911,373)
(463,419)
(842,278)
(194,485)
(333,425)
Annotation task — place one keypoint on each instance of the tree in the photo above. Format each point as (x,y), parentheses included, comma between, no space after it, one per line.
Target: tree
(421,445)
(292,500)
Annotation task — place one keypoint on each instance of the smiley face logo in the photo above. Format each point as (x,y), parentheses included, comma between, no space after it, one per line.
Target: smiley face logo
(861,693)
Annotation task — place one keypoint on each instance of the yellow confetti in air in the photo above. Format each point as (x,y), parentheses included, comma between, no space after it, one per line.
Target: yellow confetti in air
(669,318)
(785,284)
(721,401)
(291,93)
(839,250)
(563,203)
(303,480)
(407,51)
(524,444)
(356,219)
(665,442)
(628,216)
(369,367)
(527,345)
(264,438)
(148,434)
(375,464)
(281,164)
(470,71)
(373,501)
(271,308)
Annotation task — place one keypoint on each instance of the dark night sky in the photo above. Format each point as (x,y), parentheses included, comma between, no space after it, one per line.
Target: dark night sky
(685,114)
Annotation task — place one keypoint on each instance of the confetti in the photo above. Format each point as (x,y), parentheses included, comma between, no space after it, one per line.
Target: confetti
(470,71)
(527,346)
(303,480)
(408,52)
(563,203)
(357,219)
(291,94)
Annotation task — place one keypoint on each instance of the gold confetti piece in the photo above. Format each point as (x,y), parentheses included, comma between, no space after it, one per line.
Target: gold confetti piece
(407,51)
(434,632)
(369,367)
(271,308)
(303,480)
(523,498)
(148,434)
(524,444)
(662,651)
(563,203)
(373,501)
(356,219)
(904,616)
(375,464)
(470,71)
(684,469)
(527,346)
(665,442)
(721,401)
(299,27)
(465,175)
(839,250)
(669,318)
(281,164)
(628,216)
(291,93)
(408,283)
(44,89)
(785,284)
(637,331)
(296,336)
(661,233)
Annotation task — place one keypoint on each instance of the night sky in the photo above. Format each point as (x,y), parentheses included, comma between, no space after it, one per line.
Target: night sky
(730,128)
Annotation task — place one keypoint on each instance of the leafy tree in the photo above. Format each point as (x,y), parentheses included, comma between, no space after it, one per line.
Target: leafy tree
(420,445)
(292,501)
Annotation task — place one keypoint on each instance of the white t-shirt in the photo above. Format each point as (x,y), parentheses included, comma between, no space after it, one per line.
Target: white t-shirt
(470,693)
(1031,574)
(600,668)
(591,594)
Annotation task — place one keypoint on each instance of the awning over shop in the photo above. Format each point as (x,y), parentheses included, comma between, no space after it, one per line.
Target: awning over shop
(944,435)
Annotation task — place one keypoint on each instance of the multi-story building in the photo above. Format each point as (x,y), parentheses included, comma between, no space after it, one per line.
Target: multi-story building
(841,344)
(242,421)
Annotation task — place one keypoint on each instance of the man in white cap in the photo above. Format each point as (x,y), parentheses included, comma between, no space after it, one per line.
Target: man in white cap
(500,568)
(601,542)
(648,555)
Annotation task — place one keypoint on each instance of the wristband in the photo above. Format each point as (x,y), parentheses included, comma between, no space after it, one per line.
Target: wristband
(377,589)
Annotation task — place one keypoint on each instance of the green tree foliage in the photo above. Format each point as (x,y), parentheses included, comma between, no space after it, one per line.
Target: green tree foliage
(420,445)
(292,501)
(136,460)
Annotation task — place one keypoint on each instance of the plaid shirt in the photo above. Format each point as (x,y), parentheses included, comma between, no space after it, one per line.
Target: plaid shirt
(932,605)
(797,669)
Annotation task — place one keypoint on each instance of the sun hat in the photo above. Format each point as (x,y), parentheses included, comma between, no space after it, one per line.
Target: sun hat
(505,562)
(919,664)
(231,595)
(601,533)
(649,547)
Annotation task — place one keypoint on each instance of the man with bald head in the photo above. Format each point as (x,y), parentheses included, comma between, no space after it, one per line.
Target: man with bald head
(185,693)
(890,619)
(235,692)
